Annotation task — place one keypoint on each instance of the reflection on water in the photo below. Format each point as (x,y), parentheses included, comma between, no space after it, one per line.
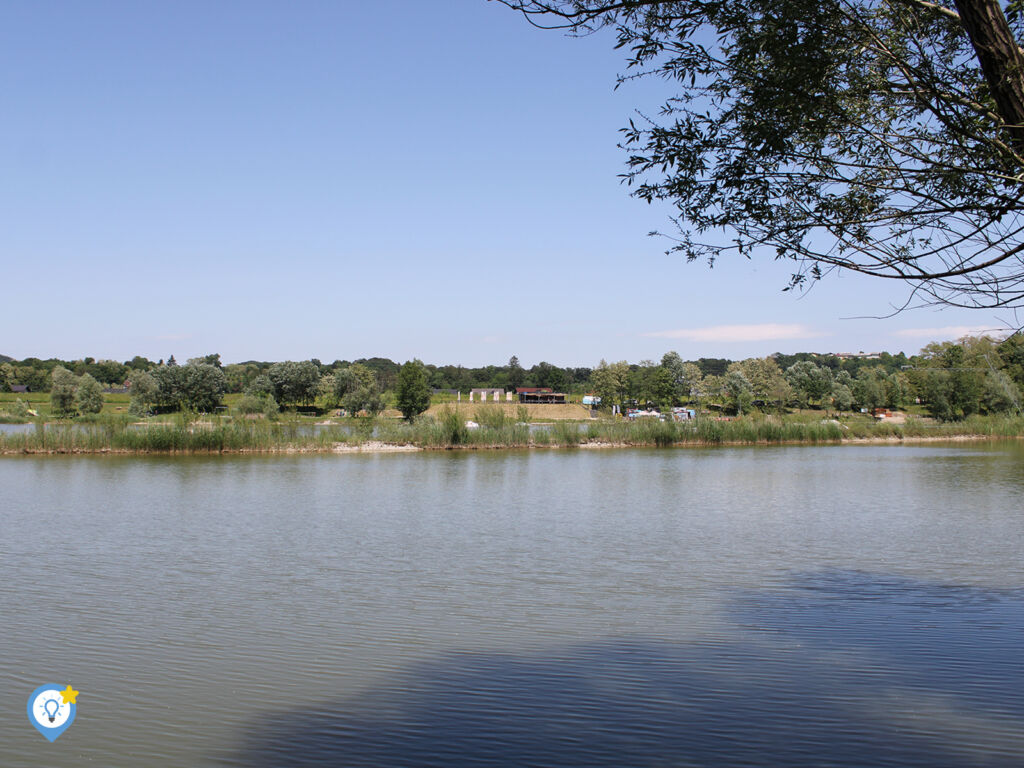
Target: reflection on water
(792,605)
(845,669)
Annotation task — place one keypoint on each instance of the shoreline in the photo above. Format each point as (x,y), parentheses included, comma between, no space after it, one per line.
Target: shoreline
(379,446)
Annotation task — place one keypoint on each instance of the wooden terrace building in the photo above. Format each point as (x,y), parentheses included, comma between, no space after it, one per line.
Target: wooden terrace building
(540,395)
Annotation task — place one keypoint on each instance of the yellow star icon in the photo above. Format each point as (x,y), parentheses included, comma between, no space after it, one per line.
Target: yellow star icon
(69,695)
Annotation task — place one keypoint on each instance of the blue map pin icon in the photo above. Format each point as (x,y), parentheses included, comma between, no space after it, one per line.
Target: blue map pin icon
(48,711)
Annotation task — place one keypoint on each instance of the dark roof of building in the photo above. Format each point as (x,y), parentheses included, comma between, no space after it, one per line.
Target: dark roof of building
(19,388)
(526,390)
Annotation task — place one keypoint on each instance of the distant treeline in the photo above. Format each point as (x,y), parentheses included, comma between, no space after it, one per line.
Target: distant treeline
(36,373)
(952,380)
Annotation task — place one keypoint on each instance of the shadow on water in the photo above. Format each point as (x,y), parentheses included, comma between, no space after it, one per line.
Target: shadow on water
(842,669)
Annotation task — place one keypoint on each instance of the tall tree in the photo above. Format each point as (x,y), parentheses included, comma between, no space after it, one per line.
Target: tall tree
(999,393)
(295,383)
(653,384)
(611,381)
(351,378)
(88,395)
(144,390)
(516,374)
(884,137)
(810,381)
(62,392)
(675,367)
(766,378)
(685,377)
(544,374)
(139,363)
(1012,352)
(842,397)
(213,360)
(355,387)
(738,390)
(6,376)
(413,390)
(195,387)
(869,389)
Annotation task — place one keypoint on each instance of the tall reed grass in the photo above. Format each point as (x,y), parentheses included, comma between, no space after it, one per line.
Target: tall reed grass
(185,433)
(448,430)
(169,437)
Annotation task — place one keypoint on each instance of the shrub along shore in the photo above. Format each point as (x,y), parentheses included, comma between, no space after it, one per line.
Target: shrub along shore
(450,431)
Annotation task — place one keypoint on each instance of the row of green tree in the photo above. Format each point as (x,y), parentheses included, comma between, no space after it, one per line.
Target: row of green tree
(240,377)
(951,379)
(243,377)
(200,385)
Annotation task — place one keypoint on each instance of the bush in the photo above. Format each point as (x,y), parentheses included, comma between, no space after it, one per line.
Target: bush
(492,418)
(140,406)
(250,404)
(363,399)
(454,428)
(270,407)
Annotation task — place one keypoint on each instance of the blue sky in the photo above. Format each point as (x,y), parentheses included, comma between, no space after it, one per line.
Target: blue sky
(339,180)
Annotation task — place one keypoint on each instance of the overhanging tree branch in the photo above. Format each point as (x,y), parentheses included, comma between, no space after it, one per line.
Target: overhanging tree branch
(884,137)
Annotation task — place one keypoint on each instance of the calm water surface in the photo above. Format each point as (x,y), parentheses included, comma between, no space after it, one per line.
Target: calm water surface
(16,429)
(795,606)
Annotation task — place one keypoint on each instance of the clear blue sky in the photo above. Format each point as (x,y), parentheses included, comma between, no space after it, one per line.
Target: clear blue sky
(400,178)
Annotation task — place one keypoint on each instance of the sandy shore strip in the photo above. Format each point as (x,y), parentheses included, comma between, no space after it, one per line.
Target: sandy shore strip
(374,446)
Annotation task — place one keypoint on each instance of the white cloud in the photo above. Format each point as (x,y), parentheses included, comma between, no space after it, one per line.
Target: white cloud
(946,332)
(741,333)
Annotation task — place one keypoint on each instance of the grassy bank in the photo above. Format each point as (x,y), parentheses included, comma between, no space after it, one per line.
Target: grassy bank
(448,430)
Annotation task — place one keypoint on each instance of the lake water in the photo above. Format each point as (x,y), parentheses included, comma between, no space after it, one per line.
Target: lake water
(16,429)
(796,606)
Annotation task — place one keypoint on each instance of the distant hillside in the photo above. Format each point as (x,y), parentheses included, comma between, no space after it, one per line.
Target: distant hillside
(6,359)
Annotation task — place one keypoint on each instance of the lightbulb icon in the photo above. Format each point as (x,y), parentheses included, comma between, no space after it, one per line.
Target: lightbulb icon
(52,708)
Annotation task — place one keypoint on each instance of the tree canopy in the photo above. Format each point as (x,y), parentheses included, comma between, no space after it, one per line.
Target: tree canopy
(88,395)
(295,382)
(884,137)
(413,390)
(62,392)
(195,386)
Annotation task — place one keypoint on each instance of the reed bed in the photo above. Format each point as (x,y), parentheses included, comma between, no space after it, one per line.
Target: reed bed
(711,432)
(170,437)
(448,429)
